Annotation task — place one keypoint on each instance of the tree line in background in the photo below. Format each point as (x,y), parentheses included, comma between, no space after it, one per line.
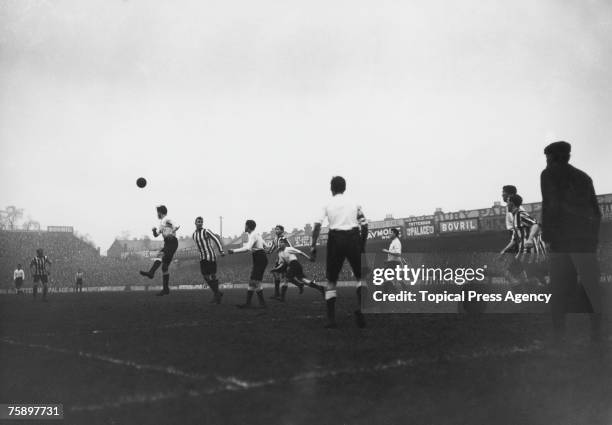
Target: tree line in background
(11,220)
(11,216)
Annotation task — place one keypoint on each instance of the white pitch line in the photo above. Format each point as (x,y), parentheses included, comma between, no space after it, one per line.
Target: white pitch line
(232,383)
(169,370)
(168,326)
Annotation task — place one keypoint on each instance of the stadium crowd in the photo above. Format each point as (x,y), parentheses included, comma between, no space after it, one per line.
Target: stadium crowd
(69,254)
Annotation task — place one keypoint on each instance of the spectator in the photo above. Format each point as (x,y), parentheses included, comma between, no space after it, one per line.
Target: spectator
(570,224)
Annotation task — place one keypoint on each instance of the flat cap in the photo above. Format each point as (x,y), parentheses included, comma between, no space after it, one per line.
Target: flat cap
(558,148)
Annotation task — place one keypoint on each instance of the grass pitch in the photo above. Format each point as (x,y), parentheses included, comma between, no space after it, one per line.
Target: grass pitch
(133,358)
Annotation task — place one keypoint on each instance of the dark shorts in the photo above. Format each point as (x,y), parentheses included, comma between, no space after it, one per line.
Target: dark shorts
(167,252)
(260,262)
(392,264)
(79,282)
(19,282)
(343,245)
(43,278)
(208,267)
(294,270)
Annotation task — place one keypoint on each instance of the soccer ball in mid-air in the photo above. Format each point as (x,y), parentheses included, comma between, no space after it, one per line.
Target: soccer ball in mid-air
(141,182)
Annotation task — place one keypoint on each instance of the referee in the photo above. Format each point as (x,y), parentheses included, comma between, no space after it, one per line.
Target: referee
(348,232)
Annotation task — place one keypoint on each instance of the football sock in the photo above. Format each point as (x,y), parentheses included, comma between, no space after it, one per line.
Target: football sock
(166,280)
(359,293)
(154,267)
(283,293)
(249,297)
(260,297)
(330,301)
(213,284)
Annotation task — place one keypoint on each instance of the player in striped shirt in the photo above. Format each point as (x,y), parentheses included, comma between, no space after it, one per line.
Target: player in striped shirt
(288,260)
(78,281)
(278,272)
(514,269)
(530,249)
(40,272)
(204,240)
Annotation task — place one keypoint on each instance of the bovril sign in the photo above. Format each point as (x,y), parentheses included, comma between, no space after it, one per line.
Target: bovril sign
(383,233)
(468,225)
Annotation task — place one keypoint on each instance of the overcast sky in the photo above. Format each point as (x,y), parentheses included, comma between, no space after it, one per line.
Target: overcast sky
(247,108)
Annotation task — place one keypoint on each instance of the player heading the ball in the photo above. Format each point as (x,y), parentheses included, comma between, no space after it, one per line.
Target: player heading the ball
(167,229)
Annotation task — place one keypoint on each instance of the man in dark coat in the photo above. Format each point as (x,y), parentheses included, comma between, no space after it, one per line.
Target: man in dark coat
(570,225)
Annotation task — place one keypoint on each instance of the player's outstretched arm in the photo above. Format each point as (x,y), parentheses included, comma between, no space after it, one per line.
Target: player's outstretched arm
(246,248)
(217,242)
(297,252)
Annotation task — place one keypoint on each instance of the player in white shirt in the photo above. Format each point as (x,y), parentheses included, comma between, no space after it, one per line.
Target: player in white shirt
(257,247)
(394,253)
(348,233)
(18,278)
(167,229)
(287,256)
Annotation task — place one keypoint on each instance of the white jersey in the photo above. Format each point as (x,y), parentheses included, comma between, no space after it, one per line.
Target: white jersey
(342,214)
(167,227)
(395,248)
(255,243)
(288,254)
(18,274)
